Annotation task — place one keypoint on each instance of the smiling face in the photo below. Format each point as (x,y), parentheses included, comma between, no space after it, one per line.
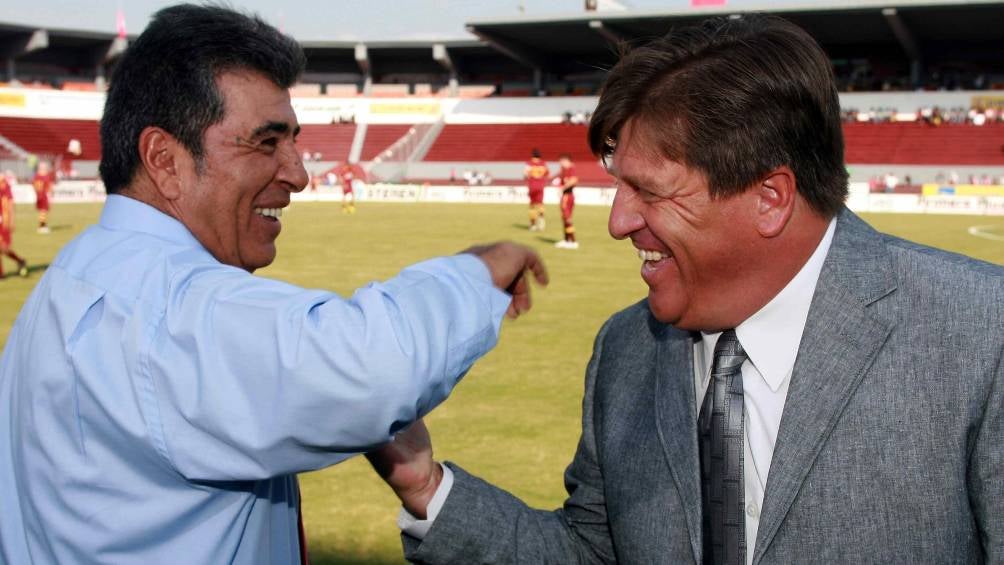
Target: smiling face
(250,166)
(695,249)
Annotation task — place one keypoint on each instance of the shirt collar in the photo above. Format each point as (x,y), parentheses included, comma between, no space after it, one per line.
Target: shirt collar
(771,336)
(123,213)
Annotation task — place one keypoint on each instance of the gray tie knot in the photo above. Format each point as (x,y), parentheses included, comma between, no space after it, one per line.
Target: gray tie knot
(729,353)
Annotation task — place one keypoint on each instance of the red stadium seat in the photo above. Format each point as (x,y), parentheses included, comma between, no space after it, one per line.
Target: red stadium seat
(381,136)
(332,141)
(50,136)
(917,143)
(509,142)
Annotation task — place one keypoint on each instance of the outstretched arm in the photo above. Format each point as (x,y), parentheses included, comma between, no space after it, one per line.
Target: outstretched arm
(249,378)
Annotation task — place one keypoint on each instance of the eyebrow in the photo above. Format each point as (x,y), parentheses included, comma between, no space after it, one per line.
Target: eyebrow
(273,127)
(637,182)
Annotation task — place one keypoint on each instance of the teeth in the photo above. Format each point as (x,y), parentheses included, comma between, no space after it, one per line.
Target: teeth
(270,212)
(647,255)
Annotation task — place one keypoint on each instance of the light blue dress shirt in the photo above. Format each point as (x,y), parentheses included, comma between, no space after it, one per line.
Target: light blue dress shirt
(156,404)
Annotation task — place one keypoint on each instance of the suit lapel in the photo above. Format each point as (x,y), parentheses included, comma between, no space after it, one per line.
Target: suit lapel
(840,342)
(676,419)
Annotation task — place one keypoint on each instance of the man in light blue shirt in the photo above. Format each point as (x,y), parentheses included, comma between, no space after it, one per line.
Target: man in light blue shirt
(156,398)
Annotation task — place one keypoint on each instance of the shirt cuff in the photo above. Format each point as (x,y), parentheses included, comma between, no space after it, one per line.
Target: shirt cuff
(475,271)
(475,268)
(420,528)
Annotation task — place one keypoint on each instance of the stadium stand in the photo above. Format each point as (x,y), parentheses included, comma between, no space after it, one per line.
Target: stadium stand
(380,137)
(332,141)
(50,136)
(507,88)
(475,91)
(305,90)
(389,90)
(508,142)
(80,86)
(917,143)
(342,90)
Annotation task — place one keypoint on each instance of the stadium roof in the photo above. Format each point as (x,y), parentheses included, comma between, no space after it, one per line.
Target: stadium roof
(468,58)
(914,30)
(60,48)
(904,34)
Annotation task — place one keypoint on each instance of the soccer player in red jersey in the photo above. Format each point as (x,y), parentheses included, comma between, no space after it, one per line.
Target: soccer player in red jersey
(536,174)
(7,227)
(568,180)
(43,181)
(346,174)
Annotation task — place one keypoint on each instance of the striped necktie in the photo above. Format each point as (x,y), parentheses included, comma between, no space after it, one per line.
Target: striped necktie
(720,433)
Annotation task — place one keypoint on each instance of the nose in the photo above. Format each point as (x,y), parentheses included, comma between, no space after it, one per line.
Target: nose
(625,218)
(291,170)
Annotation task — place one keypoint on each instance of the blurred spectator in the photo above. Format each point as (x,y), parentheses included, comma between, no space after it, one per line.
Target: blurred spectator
(891,182)
(577,117)
(932,115)
(477,178)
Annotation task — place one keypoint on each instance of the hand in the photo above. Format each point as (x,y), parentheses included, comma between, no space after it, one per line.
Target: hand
(508,263)
(406,465)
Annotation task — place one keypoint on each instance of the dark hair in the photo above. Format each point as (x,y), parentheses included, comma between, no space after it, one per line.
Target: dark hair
(535,153)
(167,78)
(734,98)
(565,156)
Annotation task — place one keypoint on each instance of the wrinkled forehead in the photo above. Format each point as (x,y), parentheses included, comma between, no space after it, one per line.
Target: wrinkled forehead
(648,137)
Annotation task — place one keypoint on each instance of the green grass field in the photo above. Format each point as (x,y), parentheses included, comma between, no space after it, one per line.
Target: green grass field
(515,418)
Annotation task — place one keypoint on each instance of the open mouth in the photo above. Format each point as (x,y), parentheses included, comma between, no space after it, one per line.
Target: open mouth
(649,255)
(653,261)
(270,213)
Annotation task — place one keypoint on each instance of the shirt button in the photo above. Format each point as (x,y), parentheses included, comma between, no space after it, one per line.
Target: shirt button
(752,511)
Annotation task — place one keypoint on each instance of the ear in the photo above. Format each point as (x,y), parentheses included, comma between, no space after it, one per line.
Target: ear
(776,195)
(160,154)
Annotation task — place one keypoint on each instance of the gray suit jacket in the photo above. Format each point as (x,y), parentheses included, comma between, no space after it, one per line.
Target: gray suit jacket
(890,450)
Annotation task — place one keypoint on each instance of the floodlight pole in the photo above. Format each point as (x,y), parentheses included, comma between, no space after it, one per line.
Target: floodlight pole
(105,55)
(606,32)
(442,56)
(513,52)
(20,45)
(907,41)
(363,60)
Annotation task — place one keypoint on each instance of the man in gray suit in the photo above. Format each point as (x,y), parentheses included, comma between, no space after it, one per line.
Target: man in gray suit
(797,387)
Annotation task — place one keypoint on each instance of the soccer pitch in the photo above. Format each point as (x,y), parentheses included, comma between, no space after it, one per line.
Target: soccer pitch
(515,418)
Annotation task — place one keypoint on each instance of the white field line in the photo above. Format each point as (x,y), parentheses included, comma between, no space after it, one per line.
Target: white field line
(981,231)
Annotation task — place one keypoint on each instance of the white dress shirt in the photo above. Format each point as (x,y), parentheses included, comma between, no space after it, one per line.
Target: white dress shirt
(770,337)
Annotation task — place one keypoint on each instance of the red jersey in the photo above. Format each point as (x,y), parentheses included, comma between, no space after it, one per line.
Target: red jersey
(43,188)
(6,211)
(536,174)
(43,182)
(568,178)
(6,194)
(346,174)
